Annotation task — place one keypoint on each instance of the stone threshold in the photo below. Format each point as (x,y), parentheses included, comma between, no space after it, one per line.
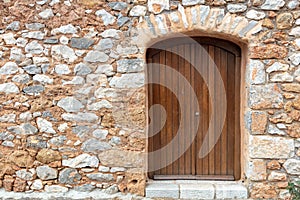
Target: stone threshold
(96,194)
(195,189)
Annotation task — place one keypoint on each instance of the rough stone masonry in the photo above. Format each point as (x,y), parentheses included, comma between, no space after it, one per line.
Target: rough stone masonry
(72,109)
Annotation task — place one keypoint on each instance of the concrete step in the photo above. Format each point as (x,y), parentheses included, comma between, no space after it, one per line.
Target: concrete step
(196,190)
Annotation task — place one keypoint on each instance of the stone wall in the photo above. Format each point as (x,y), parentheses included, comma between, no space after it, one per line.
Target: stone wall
(73,112)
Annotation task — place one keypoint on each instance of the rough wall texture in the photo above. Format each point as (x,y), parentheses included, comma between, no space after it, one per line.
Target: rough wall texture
(72,96)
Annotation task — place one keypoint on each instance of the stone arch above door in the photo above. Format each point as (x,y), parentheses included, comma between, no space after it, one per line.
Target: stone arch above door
(199,19)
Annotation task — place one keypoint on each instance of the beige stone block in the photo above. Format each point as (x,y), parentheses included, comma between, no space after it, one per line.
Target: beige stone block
(257,170)
(284,21)
(277,176)
(268,51)
(271,147)
(263,191)
(265,96)
(291,87)
(274,164)
(258,122)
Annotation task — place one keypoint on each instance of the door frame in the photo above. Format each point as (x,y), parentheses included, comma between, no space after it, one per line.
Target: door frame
(243,85)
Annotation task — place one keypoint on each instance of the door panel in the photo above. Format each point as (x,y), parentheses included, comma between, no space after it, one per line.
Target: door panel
(223,162)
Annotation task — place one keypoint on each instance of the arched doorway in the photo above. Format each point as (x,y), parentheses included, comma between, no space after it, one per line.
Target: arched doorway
(223,161)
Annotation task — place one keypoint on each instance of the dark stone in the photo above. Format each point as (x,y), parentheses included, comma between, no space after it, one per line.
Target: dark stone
(81,43)
(36,142)
(69,176)
(35,89)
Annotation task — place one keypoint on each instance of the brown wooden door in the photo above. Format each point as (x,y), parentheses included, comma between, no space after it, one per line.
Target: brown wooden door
(223,162)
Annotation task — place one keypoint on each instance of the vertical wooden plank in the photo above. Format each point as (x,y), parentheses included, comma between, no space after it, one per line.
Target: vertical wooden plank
(169,110)
(162,102)
(187,93)
(192,110)
(203,163)
(150,117)
(156,116)
(230,113)
(181,97)
(224,132)
(199,90)
(175,114)
(212,87)
(217,108)
(237,135)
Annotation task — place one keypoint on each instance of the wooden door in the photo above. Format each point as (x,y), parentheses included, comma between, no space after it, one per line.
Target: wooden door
(223,161)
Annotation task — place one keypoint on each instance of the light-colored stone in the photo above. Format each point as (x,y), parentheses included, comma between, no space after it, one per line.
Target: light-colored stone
(9,88)
(37,185)
(192,2)
(25,175)
(111,33)
(99,105)
(63,52)
(277,176)
(236,8)
(273,4)
(62,69)
(70,104)
(162,190)
(266,96)
(257,72)
(257,170)
(270,147)
(39,35)
(43,79)
(46,14)
(34,47)
(134,80)
(256,15)
(9,38)
(292,166)
(106,17)
(231,191)
(96,56)
(277,67)
(130,65)
(105,43)
(46,173)
(295,58)
(283,77)
(197,191)
(273,130)
(105,69)
(83,160)
(9,68)
(94,146)
(55,189)
(80,117)
(137,11)
(45,126)
(157,6)
(295,31)
(65,29)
